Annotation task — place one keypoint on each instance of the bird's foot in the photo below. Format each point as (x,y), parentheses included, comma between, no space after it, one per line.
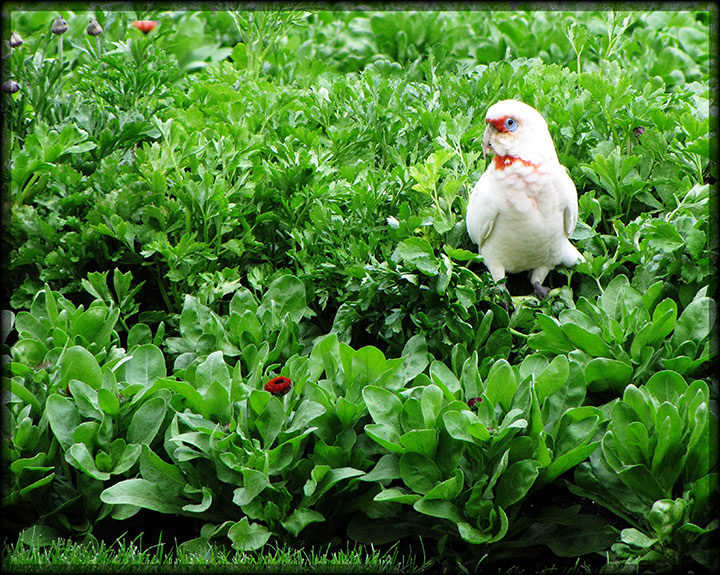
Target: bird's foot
(508,307)
(540,291)
(505,300)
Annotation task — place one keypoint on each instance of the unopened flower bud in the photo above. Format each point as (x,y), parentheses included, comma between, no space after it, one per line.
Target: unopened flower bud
(15,40)
(94,28)
(10,86)
(59,26)
(145,26)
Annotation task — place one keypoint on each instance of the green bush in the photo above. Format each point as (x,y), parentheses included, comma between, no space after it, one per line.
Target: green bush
(283,195)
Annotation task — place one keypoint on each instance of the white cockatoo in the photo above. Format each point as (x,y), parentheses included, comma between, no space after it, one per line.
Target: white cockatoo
(524,207)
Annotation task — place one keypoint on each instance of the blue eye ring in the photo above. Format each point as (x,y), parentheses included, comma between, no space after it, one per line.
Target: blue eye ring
(510,124)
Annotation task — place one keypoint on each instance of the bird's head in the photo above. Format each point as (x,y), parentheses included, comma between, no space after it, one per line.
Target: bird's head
(517,130)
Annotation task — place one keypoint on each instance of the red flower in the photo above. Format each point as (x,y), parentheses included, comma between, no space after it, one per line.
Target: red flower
(145,26)
(474,401)
(278,385)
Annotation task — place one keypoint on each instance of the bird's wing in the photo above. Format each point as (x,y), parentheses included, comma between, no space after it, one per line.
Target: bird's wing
(482,210)
(568,200)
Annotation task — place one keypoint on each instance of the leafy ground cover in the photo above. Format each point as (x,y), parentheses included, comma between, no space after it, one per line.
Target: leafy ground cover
(199,205)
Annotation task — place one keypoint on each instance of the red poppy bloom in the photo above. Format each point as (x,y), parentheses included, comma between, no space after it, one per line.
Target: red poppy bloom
(145,26)
(278,385)
(474,401)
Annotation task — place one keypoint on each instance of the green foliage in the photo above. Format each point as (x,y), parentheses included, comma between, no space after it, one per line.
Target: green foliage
(283,194)
(658,468)
(627,336)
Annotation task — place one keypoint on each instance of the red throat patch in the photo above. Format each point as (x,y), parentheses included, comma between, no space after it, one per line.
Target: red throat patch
(502,162)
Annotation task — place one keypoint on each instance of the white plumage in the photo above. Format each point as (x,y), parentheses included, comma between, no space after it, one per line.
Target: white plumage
(524,207)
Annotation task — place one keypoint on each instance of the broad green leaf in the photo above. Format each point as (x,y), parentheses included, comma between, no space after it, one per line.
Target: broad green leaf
(79,456)
(516,481)
(147,365)
(29,352)
(323,478)
(665,516)
(439,508)
(411,416)
(448,489)
(397,495)
(431,403)
(666,385)
(63,417)
(325,356)
(166,476)
(386,435)
(586,534)
(444,379)
(147,421)
(22,392)
(78,363)
(383,405)
(582,332)
(96,324)
(86,399)
(664,320)
(301,518)
(386,469)
(212,370)
(632,536)
(138,335)
(103,461)
(285,295)
(254,483)
(127,459)
(643,407)
(457,424)
(270,421)
(640,479)
(423,441)
(472,534)
(602,373)
(501,384)
(216,403)
(415,357)
(695,322)
(246,536)
(368,365)
(108,402)
(537,432)
(419,472)
(141,493)
(567,461)
(419,253)
(309,410)
(576,426)
(552,337)
(470,377)
(204,504)
(552,378)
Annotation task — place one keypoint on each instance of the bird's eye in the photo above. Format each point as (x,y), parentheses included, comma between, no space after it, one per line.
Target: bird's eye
(510,124)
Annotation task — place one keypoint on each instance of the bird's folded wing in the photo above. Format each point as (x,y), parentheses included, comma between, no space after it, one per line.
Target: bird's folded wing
(482,210)
(568,201)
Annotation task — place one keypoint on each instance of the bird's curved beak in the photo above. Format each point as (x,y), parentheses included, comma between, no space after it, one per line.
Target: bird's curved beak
(486,145)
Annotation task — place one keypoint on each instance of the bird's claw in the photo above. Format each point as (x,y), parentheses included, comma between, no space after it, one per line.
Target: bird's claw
(508,308)
(540,291)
